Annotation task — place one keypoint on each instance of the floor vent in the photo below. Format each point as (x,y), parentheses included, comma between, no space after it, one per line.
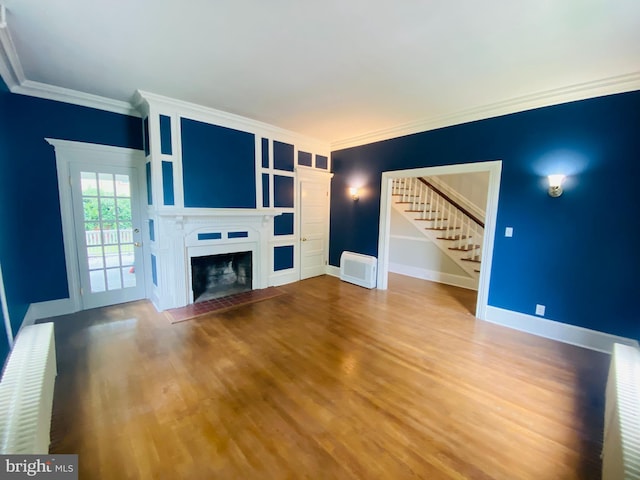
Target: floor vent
(358,269)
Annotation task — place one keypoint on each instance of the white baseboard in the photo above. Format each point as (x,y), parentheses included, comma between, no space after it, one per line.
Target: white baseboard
(333,271)
(432,275)
(52,308)
(284,277)
(562,332)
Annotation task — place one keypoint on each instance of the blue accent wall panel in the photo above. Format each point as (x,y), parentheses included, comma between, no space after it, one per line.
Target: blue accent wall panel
(152,230)
(283,191)
(322,162)
(265,153)
(282,258)
(265,190)
(154,270)
(282,156)
(218,166)
(561,254)
(167,183)
(28,183)
(165,135)
(145,130)
(210,236)
(283,224)
(147,171)
(304,158)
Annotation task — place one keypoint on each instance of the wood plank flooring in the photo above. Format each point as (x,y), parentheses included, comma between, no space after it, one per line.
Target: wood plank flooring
(328,381)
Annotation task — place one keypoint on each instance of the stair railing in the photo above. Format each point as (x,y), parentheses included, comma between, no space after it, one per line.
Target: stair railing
(442,212)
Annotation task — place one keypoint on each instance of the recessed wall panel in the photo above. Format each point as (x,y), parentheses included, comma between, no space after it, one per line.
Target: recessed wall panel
(218,166)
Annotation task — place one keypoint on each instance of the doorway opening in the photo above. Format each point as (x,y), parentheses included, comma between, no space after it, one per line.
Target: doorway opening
(493,168)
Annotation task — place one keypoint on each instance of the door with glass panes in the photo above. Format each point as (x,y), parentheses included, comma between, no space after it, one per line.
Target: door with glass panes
(107,222)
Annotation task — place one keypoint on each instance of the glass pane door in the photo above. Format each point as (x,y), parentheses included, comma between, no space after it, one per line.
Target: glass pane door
(106,220)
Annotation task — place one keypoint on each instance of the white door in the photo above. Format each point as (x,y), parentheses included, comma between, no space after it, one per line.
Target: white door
(314,227)
(106,212)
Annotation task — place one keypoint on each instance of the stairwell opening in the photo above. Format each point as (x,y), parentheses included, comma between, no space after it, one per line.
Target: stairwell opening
(405,248)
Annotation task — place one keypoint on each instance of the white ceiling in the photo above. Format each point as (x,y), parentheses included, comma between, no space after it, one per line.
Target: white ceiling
(334,69)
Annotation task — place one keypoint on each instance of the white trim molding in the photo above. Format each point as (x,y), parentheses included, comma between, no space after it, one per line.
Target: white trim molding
(556,96)
(70,152)
(52,308)
(495,169)
(562,332)
(333,271)
(192,111)
(433,275)
(5,311)
(66,95)
(10,66)
(13,75)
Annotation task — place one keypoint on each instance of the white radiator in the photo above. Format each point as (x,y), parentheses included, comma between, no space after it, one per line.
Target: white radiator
(358,269)
(621,446)
(26,392)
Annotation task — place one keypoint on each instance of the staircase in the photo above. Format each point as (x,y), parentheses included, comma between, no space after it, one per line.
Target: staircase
(445,222)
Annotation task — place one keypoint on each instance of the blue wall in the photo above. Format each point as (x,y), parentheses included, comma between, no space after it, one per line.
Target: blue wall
(31,245)
(576,254)
(218,166)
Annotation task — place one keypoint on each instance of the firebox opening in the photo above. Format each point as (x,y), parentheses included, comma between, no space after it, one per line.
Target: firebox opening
(216,276)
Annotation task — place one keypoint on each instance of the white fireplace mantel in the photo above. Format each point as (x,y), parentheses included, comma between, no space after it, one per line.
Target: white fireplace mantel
(185,233)
(218,212)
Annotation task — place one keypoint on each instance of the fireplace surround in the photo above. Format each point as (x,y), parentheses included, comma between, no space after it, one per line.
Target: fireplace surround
(206,232)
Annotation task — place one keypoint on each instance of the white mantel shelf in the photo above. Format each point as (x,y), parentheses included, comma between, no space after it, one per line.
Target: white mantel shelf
(219,212)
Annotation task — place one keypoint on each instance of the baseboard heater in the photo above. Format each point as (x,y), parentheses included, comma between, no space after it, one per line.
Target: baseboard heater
(358,269)
(621,445)
(26,392)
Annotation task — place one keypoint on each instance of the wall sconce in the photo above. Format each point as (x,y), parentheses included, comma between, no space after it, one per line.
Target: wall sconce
(355,194)
(555,185)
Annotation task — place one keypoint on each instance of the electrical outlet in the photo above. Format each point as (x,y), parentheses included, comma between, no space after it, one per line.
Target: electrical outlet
(540,310)
(508,232)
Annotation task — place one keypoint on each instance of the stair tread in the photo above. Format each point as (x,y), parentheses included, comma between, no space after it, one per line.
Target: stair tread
(461,249)
(442,229)
(454,238)
(430,219)
(474,260)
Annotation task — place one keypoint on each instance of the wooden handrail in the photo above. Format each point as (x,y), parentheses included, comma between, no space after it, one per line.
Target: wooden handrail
(452,202)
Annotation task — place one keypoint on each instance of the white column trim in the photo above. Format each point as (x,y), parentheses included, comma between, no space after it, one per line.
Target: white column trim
(5,310)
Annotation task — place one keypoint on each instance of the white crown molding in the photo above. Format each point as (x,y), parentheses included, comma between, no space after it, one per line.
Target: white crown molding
(231,120)
(10,66)
(66,95)
(13,75)
(581,91)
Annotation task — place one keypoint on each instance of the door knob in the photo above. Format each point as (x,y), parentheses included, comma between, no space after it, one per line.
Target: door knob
(304,239)
(136,230)
(137,244)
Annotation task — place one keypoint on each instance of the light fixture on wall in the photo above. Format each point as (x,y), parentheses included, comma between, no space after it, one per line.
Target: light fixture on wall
(555,185)
(355,194)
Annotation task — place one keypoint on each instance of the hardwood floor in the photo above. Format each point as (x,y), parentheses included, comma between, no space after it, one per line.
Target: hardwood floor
(329,380)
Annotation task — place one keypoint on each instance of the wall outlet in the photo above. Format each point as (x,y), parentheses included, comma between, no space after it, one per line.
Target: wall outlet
(508,232)
(540,310)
